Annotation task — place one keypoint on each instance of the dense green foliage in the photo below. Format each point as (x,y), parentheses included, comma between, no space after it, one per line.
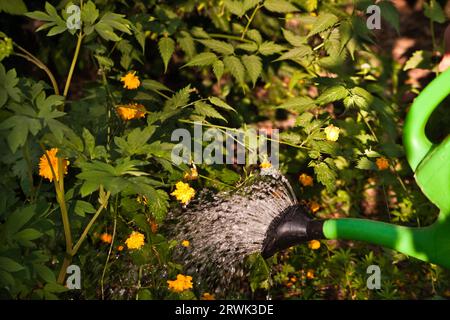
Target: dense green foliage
(297,65)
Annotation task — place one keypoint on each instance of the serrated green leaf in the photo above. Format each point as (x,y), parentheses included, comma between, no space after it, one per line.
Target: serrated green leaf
(419,59)
(234,65)
(296,53)
(294,39)
(166,47)
(324,21)
(253,65)
(280,6)
(207,110)
(187,44)
(218,46)
(220,103)
(218,68)
(332,94)
(202,59)
(298,104)
(268,48)
(325,175)
(27,234)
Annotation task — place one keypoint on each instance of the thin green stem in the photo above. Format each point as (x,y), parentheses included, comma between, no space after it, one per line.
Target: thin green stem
(91,222)
(110,249)
(250,20)
(72,66)
(229,37)
(28,56)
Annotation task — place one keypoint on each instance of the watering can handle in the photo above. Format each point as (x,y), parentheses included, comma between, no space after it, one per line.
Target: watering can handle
(417,145)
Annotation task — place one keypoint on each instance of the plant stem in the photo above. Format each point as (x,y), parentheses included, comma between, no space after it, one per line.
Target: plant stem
(28,56)
(250,20)
(72,66)
(229,37)
(110,249)
(89,226)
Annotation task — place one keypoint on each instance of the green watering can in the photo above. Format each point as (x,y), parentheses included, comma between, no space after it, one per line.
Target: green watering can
(431,165)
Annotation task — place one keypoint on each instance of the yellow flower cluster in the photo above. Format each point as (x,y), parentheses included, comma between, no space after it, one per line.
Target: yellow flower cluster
(131,111)
(208,296)
(180,284)
(131,81)
(45,166)
(183,192)
(135,240)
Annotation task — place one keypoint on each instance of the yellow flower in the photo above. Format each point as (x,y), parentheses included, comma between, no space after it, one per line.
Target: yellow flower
(131,81)
(192,175)
(265,165)
(131,111)
(314,206)
(183,192)
(305,180)
(44,166)
(294,279)
(310,274)
(135,240)
(180,284)
(332,133)
(119,248)
(185,243)
(106,237)
(314,244)
(382,163)
(208,296)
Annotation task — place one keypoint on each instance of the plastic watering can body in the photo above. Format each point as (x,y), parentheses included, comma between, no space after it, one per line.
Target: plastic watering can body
(431,165)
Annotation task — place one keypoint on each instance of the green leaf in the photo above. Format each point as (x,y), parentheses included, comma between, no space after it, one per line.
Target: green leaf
(89,13)
(9,265)
(235,7)
(17,7)
(187,44)
(296,53)
(83,207)
(332,94)
(420,59)
(434,11)
(19,218)
(202,59)
(298,104)
(206,110)
(28,234)
(325,175)
(308,5)
(179,99)
(365,164)
(154,85)
(254,35)
(234,65)
(390,14)
(45,273)
(159,205)
(294,39)
(324,21)
(166,47)
(218,68)
(253,65)
(8,85)
(220,103)
(218,46)
(268,48)
(280,6)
